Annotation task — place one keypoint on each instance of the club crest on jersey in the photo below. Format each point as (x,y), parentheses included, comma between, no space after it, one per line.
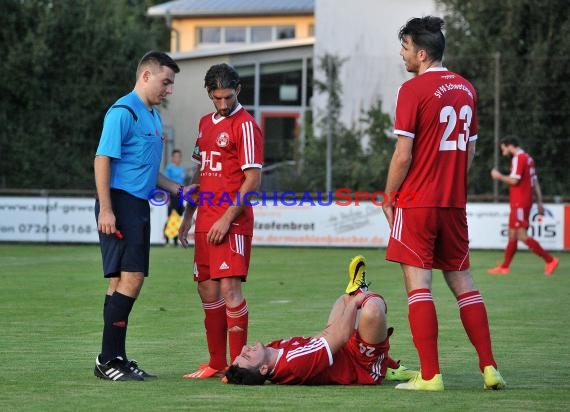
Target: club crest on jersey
(223,139)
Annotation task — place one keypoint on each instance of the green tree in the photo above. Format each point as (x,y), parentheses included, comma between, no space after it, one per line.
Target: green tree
(533,39)
(64,63)
(378,153)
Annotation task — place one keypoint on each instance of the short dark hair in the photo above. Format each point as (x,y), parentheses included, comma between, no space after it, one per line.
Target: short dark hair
(176,151)
(221,76)
(159,59)
(242,376)
(510,140)
(426,34)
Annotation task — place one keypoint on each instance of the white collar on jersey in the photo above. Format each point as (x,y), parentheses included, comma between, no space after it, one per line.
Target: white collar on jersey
(219,119)
(437,69)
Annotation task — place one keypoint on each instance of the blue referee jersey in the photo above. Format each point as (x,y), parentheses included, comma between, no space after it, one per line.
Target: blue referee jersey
(132,138)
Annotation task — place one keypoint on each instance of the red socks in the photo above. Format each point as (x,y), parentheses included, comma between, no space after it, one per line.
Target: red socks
(216,331)
(510,252)
(423,324)
(391,363)
(474,318)
(537,249)
(237,321)
(222,324)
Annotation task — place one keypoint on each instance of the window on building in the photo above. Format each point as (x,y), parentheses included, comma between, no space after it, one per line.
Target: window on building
(209,35)
(280,83)
(260,34)
(243,34)
(311,30)
(284,32)
(247,77)
(235,35)
(281,132)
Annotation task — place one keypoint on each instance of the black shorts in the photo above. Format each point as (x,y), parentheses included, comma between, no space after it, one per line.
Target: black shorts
(131,253)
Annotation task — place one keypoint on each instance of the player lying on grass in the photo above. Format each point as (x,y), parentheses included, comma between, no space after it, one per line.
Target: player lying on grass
(352,349)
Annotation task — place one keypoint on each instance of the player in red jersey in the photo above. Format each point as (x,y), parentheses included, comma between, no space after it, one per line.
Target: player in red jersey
(436,126)
(229,151)
(522,182)
(342,354)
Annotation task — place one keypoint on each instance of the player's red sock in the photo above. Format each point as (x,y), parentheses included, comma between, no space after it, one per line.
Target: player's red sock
(510,252)
(538,250)
(237,319)
(391,363)
(474,318)
(423,324)
(216,332)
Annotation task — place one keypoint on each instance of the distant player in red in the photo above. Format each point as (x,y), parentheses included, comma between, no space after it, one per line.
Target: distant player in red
(436,126)
(523,184)
(341,354)
(229,151)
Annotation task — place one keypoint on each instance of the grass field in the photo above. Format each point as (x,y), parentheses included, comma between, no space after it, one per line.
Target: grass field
(51,301)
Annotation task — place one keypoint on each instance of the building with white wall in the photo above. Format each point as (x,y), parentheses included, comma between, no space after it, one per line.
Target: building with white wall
(277,75)
(365,33)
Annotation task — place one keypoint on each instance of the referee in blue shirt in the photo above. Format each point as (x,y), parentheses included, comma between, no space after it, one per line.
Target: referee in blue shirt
(127,166)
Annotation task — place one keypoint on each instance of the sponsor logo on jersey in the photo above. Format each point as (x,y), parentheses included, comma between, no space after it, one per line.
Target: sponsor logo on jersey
(210,161)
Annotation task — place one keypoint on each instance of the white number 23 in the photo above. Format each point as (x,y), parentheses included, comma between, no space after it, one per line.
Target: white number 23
(449,116)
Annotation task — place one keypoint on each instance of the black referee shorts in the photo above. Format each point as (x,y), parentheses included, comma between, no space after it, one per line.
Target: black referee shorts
(131,253)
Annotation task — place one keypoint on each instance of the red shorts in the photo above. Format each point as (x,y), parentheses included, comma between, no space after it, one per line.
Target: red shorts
(430,238)
(518,218)
(367,360)
(228,259)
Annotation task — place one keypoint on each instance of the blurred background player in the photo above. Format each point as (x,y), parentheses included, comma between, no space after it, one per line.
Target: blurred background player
(229,150)
(523,183)
(351,350)
(175,171)
(124,181)
(436,126)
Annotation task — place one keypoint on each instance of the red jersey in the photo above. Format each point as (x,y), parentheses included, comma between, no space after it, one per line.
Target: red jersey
(309,361)
(224,149)
(522,169)
(438,110)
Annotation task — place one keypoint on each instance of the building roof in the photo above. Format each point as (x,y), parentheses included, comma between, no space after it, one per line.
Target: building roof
(245,48)
(232,7)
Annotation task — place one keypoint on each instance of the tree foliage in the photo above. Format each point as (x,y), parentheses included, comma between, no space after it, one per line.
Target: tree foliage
(64,63)
(533,39)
